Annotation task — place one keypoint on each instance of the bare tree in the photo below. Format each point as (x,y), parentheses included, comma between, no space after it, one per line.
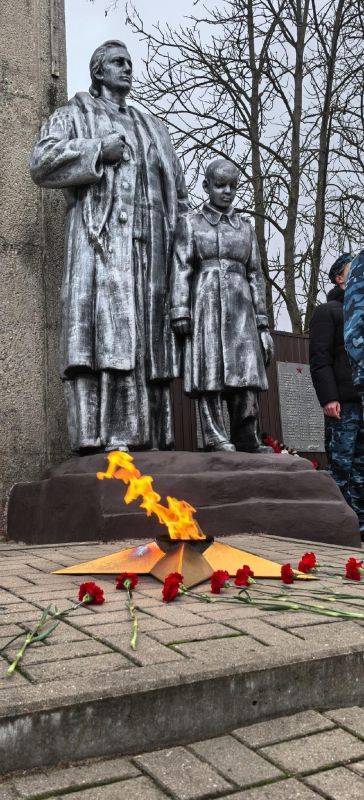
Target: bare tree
(276,86)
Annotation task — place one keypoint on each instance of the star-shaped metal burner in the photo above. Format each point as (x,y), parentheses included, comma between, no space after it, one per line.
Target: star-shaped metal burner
(195,560)
(185,550)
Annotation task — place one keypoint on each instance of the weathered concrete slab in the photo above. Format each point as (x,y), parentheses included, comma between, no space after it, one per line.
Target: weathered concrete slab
(232,492)
(221,767)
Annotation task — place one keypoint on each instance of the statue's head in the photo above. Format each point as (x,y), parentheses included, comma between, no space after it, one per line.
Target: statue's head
(221,182)
(111,66)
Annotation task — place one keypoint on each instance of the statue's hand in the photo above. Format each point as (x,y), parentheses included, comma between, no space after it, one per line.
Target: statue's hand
(112,147)
(267,345)
(181,326)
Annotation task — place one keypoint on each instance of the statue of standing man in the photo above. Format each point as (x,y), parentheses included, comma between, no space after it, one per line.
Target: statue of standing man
(125,192)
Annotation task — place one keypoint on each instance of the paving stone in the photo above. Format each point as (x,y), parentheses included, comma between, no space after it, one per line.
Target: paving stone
(8,631)
(232,649)
(313,752)
(89,665)
(227,614)
(266,633)
(19,607)
(236,762)
(12,581)
(297,619)
(66,633)
(134,789)
(176,615)
(50,594)
(282,790)
(148,650)
(70,777)
(338,784)
(210,630)
(90,618)
(8,682)
(350,718)
(283,728)
(334,634)
(182,774)
(59,652)
(145,623)
(358,767)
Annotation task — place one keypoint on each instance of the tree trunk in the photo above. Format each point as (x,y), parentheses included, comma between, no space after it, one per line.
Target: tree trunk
(295,173)
(323,155)
(257,178)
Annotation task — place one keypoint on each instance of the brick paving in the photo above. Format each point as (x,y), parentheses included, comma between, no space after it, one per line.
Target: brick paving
(311,755)
(97,638)
(283,758)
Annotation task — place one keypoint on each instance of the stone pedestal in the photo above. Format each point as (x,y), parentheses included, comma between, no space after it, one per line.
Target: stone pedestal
(232,493)
(32,418)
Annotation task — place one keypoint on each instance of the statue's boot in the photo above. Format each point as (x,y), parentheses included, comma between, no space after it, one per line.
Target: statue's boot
(249,438)
(226,447)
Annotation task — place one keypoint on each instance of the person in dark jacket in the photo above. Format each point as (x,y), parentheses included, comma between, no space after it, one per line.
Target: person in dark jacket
(333,381)
(354,321)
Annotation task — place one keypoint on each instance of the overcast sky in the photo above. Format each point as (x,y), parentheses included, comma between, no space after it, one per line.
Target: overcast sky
(87,27)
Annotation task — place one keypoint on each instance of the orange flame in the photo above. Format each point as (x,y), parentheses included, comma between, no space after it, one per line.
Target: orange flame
(178,516)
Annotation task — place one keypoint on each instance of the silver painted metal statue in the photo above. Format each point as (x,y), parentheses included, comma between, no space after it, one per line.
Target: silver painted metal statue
(125,191)
(218,304)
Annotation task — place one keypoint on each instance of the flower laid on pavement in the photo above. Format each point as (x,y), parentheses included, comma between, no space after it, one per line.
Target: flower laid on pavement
(172,587)
(354,569)
(244,576)
(127,581)
(287,574)
(307,563)
(265,600)
(91,594)
(219,580)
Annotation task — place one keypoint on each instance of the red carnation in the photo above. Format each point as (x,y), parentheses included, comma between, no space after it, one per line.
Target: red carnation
(131,577)
(273,443)
(287,573)
(219,579)
(314,463)
(354,569)
(91,594)
(244,576)
(307,563)
(171,586)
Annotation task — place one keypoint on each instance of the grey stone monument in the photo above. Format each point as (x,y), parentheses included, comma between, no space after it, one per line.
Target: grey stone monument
(125,192)
(33,83)
(124,164)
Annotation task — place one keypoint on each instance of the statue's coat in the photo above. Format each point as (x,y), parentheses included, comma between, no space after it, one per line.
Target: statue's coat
(217,282)
(98,321)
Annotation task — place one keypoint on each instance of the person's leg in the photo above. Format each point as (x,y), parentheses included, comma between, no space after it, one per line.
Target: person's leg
(243,409)
(83,412)
(214,435)
(341,435)
(356,486)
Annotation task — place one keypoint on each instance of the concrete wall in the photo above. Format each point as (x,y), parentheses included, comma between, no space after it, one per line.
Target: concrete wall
(32,416)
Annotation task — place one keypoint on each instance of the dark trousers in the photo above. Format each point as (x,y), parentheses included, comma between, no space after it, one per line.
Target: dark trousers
(344,444)
(243,408)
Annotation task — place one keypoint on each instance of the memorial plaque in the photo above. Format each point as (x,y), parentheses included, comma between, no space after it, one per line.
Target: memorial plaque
(302,417)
